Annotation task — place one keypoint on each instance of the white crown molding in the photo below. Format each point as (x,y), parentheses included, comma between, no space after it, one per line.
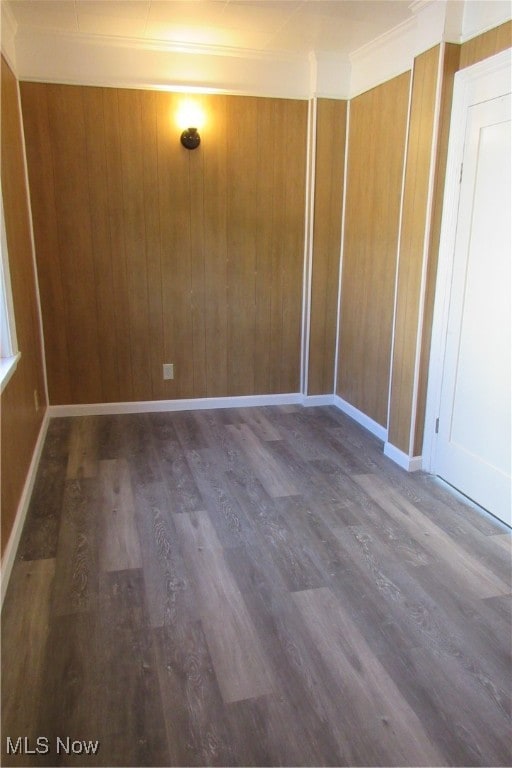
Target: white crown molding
(481,16)
(419,5)
(91,60)
(112,61)
(159,46)
(393,53)
(453,22)
(332,75)
(384,41)
(383,58)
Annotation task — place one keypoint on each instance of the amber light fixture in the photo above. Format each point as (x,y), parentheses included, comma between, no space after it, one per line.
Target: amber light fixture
(190,138)
(190,118)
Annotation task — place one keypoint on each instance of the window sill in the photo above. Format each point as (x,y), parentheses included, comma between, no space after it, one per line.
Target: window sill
(7,368)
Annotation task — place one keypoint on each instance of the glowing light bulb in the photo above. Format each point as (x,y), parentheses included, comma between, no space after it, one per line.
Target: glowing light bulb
(190,115)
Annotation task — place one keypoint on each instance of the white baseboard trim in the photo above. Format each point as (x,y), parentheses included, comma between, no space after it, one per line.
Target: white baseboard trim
(21,513)
(318,400)
(409,463)
(365,421)
(193,404)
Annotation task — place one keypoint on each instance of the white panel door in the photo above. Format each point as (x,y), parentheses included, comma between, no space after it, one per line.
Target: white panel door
(474,442)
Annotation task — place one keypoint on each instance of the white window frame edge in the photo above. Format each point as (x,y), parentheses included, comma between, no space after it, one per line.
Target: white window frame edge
(8,362)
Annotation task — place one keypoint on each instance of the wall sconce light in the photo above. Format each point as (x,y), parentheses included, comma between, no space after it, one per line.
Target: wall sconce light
(190,118)
(190,138)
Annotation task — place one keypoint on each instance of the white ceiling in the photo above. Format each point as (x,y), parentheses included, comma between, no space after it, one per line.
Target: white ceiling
(289,26)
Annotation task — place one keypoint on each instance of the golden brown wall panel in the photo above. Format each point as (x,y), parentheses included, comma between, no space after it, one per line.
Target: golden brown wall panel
(149,253)
(412,245)
(485,45)
(20,421)
(330,161)
(377,132)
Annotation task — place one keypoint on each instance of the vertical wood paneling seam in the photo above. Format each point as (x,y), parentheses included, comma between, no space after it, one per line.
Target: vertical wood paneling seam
(426,244)
(65,297)
(148,280)
(342,244)
(157,160)
(398,247)
(281,293)
(125,260)
(96,297)
(326,329)
(141,99)
(309,220)
(42,355)
(111,270)
(192,295)
(259,253)
(226,236)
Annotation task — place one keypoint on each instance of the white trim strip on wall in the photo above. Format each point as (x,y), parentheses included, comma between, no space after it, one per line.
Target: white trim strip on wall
(33,247)
(192,404)
(318,400)
(342,247)
(212,403)
(309,227)
(11,548)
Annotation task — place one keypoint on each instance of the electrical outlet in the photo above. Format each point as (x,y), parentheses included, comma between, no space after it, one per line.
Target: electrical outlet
(168,371)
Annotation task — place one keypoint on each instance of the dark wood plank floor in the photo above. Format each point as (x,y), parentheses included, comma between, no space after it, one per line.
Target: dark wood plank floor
(253,587)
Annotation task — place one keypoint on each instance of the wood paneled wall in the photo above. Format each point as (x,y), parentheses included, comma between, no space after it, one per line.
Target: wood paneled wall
(483,46)
(405,407)
(149,253)
(412,255)
(378,121)
(328,201)
(20,421)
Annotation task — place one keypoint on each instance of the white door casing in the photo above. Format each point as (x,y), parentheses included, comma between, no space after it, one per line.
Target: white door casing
(469,376)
